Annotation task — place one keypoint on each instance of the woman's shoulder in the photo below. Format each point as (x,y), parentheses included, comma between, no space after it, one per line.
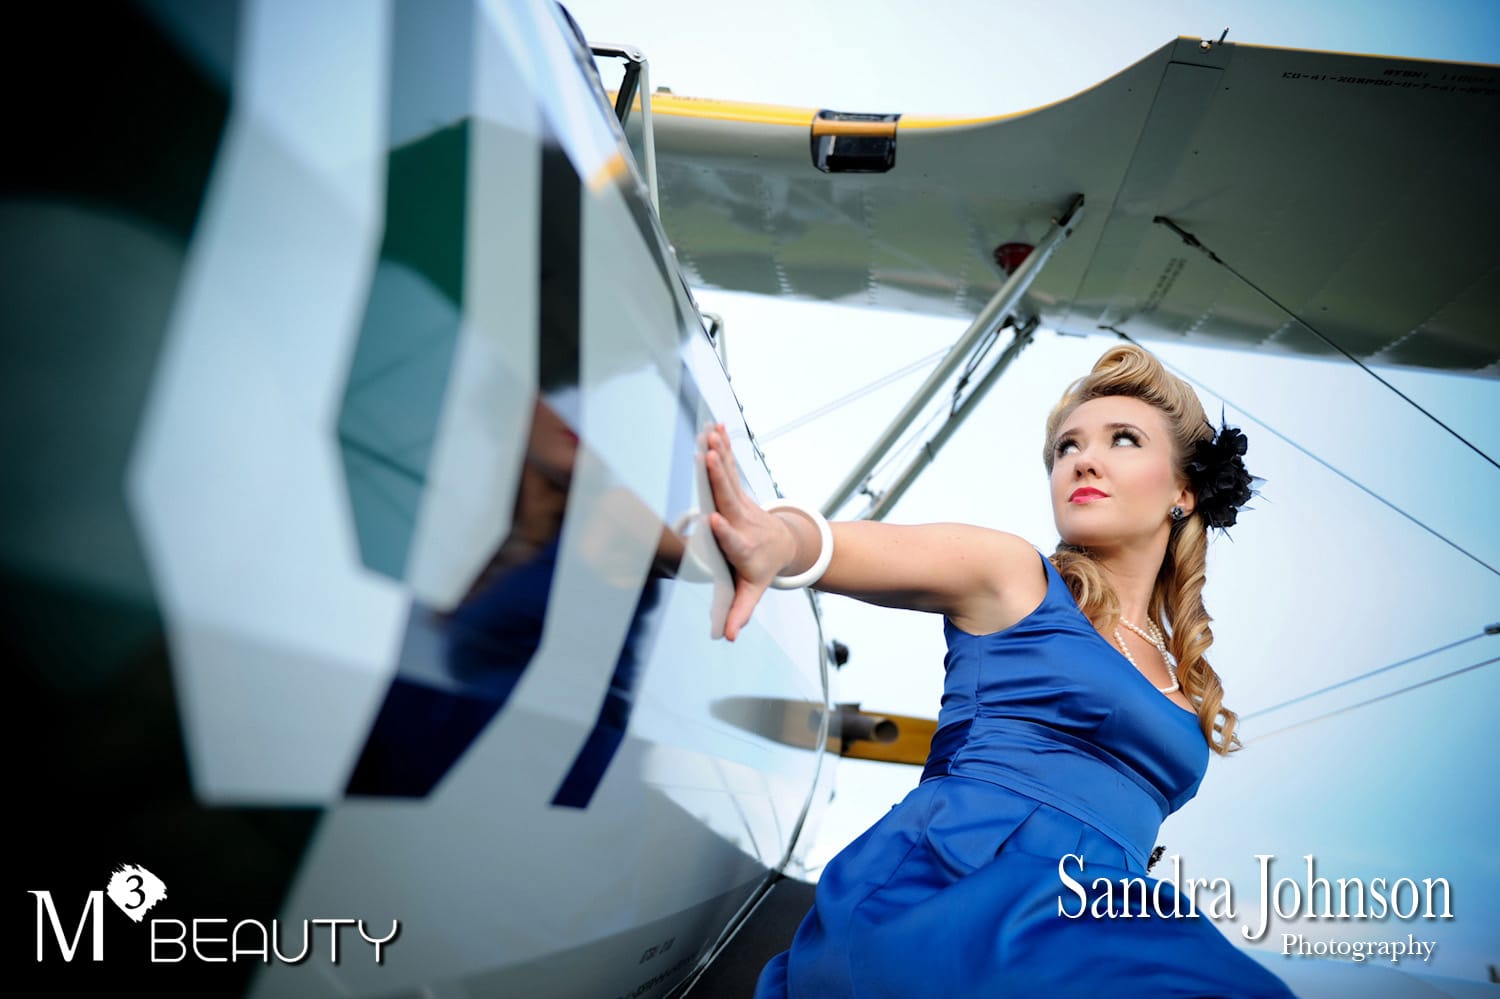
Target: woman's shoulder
(1017,580)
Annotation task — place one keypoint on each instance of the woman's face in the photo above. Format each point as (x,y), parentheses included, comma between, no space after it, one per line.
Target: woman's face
(1130,464)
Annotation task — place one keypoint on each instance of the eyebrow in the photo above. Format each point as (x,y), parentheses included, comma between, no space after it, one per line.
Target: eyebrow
(1071,431)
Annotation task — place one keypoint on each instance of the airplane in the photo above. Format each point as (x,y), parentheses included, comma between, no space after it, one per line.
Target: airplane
(354,550)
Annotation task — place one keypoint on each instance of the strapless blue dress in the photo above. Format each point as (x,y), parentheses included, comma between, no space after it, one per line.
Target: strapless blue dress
(1049,743)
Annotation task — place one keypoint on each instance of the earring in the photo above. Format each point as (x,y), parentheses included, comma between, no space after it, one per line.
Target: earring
(1177,513)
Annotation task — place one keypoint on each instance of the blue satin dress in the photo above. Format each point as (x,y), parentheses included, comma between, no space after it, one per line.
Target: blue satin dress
(1049,742)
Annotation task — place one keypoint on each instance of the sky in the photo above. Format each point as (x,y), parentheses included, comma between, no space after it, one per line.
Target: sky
(1322,582)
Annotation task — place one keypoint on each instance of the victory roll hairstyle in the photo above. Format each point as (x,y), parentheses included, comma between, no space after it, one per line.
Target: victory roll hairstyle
(1176,603)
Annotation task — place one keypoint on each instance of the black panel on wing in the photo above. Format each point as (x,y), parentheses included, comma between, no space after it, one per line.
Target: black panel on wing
(845,142)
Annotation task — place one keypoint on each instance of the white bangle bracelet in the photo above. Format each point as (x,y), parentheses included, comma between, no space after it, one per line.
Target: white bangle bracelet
(825,554)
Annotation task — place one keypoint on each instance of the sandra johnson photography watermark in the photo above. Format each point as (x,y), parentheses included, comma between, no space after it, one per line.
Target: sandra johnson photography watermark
(1310,897)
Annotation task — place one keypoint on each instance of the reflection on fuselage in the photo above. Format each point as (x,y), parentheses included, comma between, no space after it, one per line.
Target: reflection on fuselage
(459,668)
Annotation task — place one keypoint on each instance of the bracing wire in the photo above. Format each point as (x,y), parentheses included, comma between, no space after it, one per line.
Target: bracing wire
(1363,676)
(914,438)
(1194,242)
(980,350)
(858,393)
(1346,477)
(1380,697)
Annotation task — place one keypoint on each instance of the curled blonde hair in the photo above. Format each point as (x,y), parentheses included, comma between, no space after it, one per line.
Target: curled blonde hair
(1176,603)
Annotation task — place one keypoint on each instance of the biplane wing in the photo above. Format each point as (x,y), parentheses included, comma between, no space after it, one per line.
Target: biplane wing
(1351,193)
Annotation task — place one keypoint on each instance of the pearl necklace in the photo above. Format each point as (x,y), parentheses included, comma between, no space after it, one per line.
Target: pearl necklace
(1155,638)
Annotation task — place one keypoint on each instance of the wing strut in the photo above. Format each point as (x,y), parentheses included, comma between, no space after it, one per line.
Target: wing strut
(882,503)
(984,325)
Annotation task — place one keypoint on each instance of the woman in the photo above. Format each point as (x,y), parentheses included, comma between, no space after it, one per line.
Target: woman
(1078,712)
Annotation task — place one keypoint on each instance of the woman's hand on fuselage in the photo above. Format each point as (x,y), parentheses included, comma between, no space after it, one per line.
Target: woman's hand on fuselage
(982,579)
(757,544)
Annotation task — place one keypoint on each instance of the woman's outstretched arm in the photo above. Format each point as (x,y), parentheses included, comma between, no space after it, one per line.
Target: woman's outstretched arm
(941,568)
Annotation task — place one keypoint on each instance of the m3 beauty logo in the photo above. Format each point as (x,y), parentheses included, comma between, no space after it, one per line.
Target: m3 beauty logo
(212,940)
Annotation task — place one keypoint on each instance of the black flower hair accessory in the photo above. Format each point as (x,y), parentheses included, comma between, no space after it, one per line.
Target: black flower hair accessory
(1219,477)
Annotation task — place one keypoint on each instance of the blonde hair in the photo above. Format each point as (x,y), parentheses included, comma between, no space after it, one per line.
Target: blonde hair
(1176,602)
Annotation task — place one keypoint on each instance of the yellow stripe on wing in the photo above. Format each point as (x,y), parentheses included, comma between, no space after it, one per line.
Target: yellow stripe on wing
(743,111)
(709,109)
(829,126)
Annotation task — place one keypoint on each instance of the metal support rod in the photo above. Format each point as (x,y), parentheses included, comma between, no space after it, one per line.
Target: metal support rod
(988,319)
(882,505)
(629,87)
(636,83)
(648,134)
